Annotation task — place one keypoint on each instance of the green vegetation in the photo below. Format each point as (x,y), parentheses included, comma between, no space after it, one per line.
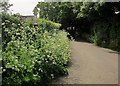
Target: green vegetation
(43,24)
(36,55)
(106,33)
(33,55)
(96,22)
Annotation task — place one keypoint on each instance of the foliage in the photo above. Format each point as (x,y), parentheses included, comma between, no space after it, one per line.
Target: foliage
(66,14)
(105,26)
(8,22)
(60,12)
(34,55)
(43,24)
(93,21)
(4,5)
(106,33)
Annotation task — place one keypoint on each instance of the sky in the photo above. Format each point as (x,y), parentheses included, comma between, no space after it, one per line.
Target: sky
(24,7)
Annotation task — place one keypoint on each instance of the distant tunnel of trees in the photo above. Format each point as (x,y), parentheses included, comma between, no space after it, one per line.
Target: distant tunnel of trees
(96,22)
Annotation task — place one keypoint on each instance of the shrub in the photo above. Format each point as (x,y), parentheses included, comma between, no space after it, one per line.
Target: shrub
(106,33)
(47,24)
(8,23)
(35,55)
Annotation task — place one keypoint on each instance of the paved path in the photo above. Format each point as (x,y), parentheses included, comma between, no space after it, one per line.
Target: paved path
(91,65)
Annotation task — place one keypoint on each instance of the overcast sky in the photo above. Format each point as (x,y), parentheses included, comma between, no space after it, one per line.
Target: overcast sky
(24,7)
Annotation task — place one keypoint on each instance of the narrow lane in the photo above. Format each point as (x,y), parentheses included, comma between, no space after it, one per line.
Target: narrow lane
(91,65)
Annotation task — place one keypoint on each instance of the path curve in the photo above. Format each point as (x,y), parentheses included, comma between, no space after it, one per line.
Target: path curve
(91,65)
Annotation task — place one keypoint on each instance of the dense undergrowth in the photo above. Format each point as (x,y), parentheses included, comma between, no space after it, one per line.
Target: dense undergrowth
(106,33)
(31,55)
(96,22)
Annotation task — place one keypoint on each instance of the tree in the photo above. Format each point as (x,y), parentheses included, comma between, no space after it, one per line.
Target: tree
(61,12)
(85,19)
(4,5)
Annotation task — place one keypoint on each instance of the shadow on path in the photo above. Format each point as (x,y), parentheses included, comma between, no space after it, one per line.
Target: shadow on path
(90,64)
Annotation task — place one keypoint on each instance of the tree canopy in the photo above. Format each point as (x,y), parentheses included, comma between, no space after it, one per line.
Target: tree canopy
(81,18)
(5,5)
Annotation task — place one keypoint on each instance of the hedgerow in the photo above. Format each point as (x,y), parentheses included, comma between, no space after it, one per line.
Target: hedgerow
(105,33)
(34,55)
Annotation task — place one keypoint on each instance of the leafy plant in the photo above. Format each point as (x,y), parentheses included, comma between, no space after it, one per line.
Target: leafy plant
(34,55)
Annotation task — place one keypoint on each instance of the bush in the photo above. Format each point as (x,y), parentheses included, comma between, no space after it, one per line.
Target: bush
(35,55)
(47,24)
(8,23)
(106,33)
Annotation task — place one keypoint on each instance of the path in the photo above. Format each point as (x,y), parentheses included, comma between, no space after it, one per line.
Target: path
(91,65)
